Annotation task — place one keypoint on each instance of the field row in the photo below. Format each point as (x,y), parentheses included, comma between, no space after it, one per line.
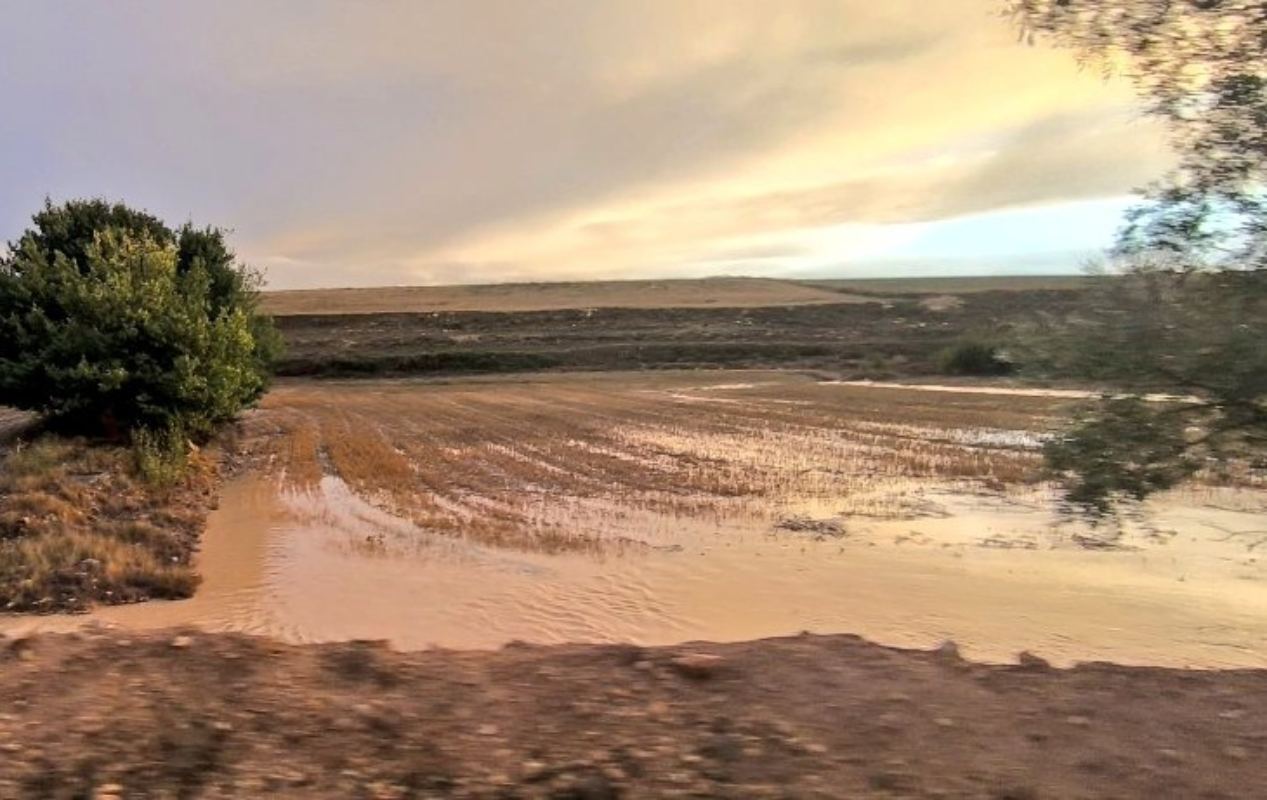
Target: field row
(482,460)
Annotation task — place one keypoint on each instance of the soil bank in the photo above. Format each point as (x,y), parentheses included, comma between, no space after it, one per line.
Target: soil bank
(174,714)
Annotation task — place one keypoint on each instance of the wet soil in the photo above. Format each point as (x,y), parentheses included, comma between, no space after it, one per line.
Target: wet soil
(661,508)
(195,715)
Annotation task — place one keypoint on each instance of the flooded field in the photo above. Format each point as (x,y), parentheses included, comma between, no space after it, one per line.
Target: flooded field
(667,507)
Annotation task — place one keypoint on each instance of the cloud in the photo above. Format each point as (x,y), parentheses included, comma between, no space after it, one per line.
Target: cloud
(396,142)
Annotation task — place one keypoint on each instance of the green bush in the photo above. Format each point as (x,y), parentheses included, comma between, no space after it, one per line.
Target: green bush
(112,322)
(973,358)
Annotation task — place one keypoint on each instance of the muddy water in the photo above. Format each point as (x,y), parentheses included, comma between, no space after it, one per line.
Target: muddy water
(900,560)
(1003,391)
(998,575)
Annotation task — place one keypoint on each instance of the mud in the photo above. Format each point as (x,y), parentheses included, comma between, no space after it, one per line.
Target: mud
(655,510)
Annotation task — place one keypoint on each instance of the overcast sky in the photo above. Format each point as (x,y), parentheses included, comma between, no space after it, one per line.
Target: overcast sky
(363,143)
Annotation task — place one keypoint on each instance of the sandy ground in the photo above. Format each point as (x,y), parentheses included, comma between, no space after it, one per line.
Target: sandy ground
(712,292)
(199,716)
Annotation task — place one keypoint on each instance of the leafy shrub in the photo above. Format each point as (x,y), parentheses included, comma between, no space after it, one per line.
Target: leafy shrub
(159,457)
(973,358)
(1124,448)
(112,322)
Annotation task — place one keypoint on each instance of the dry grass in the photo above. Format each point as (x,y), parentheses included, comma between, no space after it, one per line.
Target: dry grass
(77,528)
(511,463)
(711,292)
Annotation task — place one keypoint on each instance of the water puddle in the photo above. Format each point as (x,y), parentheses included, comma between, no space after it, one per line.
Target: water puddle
(583,511)
(997,574)
(1003,391)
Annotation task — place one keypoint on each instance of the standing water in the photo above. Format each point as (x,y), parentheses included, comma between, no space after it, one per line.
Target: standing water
(797,514)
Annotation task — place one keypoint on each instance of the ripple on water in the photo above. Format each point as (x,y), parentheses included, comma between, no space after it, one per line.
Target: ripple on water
(1178,582)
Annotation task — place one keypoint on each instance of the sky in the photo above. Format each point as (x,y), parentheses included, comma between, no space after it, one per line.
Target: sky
(350,143)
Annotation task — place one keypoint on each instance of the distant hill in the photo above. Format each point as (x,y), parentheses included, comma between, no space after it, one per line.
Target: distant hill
(702,293)
(951,285)
(687,293)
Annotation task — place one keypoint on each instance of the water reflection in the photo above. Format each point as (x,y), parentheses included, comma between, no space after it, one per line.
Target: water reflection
(724,526)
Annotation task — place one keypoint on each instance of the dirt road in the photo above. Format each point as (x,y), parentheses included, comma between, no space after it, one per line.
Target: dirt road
(200,715)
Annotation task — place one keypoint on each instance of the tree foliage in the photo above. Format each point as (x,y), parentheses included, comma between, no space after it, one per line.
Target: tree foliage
(973,357)
(1185,307)
(1201,66)
(109,319)
(1122,449)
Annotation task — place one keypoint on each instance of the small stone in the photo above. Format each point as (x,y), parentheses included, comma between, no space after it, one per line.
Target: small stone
(944,722)
(1235,751)
(1170,754)
(382,790)
(1030,661)
(181,642)
(594,786)
(1078,720)
(534,770)
(1235,713)
(890,781)
(816,748)
(107,791)
(948,650)
(644,666)
(487,730)
(292,777)
(697,665)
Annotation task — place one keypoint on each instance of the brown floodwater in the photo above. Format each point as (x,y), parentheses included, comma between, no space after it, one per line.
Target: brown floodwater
(819,525)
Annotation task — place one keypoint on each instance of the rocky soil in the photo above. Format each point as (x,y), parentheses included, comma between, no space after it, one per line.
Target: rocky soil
(184,714)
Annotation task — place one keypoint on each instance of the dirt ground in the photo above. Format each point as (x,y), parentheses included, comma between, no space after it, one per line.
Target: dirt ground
(714,292)
(193,715)
(11,422)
